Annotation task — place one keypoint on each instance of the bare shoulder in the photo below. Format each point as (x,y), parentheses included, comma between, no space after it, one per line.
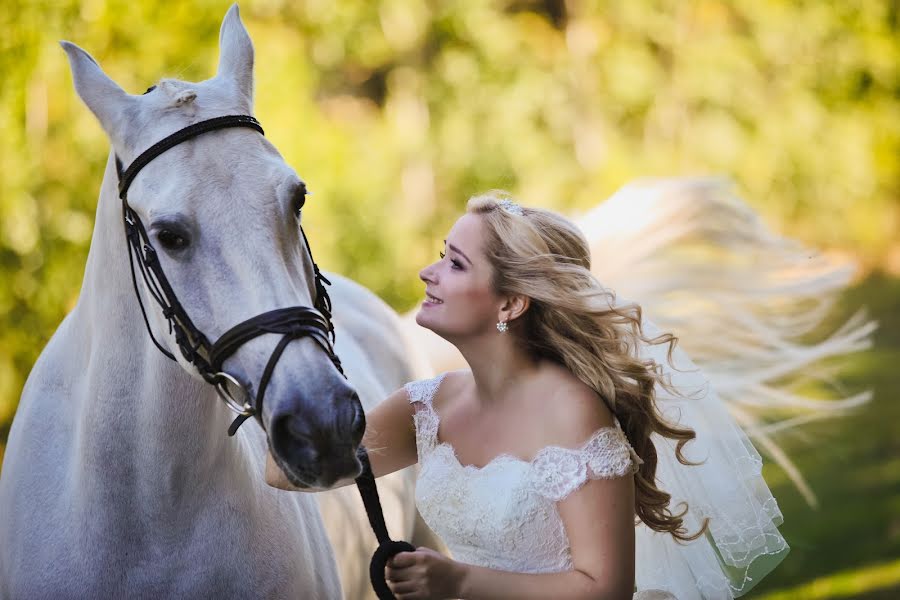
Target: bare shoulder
(453,385)
(572,412)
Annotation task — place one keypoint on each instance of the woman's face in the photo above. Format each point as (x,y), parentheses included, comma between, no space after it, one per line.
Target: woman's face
(459,300)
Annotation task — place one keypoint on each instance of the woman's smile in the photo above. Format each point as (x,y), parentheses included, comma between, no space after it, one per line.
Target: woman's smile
(431,300)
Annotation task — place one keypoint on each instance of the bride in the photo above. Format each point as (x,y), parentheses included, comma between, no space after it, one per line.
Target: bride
(581,454)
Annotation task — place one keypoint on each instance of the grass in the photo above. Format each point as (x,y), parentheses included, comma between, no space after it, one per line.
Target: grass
(877,581)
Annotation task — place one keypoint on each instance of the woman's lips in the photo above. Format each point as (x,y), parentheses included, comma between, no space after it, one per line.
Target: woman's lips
(431,301)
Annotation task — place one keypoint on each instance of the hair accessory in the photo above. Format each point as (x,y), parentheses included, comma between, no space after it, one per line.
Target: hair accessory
(511,207)
(502,326)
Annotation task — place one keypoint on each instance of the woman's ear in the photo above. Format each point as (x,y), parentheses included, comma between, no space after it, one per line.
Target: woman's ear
(514,307)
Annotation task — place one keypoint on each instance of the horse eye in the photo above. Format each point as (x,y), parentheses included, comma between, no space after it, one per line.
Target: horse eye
(299,198)
(171,240)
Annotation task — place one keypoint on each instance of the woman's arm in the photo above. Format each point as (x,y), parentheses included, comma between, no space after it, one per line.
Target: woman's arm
(390,436)
(390,439)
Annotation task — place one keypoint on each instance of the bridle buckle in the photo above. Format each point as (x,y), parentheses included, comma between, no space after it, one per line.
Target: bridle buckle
(221,381)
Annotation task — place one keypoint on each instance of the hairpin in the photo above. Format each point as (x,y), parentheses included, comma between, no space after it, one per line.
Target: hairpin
(511,207)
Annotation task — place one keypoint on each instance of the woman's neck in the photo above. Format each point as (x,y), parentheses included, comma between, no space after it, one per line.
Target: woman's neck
(499,364)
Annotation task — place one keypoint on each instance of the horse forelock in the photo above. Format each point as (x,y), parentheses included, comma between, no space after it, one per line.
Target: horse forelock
(172,104)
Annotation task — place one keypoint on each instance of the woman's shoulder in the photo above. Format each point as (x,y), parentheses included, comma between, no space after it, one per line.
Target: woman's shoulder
(426,390)
(570,411)
(583,441)
(453,385)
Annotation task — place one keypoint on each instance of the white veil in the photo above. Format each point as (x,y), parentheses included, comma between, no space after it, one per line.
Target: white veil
(742,543)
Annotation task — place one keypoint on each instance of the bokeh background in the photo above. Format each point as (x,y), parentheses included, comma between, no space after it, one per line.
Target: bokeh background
(396,111)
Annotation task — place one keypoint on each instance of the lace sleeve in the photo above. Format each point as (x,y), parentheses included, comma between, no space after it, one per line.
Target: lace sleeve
(557,472)
(420,394)
(423,390)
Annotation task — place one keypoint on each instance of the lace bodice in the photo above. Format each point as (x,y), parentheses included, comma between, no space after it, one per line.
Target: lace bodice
(504,515)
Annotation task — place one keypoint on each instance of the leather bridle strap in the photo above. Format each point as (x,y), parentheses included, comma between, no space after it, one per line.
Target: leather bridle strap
(182,135)
(293,323)
(193,344)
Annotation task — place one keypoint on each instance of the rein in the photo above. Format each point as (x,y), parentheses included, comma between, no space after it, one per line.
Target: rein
(208,358)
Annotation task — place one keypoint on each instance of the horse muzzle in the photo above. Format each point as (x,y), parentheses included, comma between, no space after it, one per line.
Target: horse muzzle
(318,447)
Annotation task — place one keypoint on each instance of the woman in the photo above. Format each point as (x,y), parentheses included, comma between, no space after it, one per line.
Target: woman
(537,461)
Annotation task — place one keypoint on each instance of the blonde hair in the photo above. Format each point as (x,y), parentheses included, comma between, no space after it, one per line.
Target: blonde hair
(572,320)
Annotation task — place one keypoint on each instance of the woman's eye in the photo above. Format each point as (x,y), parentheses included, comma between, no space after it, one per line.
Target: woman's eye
(171,240)
(455,263)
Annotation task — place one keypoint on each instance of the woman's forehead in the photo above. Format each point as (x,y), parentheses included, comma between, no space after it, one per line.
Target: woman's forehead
(467,234)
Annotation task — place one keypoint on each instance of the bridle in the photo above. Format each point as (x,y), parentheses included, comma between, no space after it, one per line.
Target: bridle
(208,358)
(291,323)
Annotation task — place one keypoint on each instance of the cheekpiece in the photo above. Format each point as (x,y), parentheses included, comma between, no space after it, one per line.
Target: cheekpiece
(511,207)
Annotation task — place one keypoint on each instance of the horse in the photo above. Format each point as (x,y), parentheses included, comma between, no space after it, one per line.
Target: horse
(119,479)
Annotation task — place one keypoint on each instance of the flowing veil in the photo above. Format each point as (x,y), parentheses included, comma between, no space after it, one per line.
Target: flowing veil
(742,543)
(743,302)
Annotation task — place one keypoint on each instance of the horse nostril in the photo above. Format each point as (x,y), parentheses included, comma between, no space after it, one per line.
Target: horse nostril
(291,442)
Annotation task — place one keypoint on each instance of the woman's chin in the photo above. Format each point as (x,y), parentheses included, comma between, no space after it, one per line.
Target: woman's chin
(428,321)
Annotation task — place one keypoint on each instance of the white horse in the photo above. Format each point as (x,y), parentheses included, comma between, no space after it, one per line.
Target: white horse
(119,479)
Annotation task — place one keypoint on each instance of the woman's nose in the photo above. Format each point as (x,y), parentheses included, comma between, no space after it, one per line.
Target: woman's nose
(427,274)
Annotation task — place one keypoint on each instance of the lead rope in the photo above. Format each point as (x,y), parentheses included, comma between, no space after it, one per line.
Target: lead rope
(387,548)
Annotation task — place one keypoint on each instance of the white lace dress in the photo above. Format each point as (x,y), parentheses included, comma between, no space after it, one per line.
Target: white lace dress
(503,515)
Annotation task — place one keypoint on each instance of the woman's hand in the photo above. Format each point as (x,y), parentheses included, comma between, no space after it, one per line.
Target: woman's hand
(424,575)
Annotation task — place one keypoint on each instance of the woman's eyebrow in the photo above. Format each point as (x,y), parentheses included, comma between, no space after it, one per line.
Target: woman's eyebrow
(458,251)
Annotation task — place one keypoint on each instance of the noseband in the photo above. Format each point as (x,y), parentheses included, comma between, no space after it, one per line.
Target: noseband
(291,323)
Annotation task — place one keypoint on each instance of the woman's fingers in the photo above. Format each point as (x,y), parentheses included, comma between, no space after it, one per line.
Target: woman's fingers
(397,574)
(403,587)
(402,560)
(406,591)
(406,575)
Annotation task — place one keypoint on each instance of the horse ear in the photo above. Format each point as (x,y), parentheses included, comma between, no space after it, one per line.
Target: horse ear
(101,94)
(236,53)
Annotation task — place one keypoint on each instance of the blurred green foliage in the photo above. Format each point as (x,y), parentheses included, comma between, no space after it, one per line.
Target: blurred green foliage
(850,546)
(395,111)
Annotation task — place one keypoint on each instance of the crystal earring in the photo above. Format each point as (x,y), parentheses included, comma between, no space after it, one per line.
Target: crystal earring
(502,326)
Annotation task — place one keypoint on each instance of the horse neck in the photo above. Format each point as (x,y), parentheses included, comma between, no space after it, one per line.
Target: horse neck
(141,411)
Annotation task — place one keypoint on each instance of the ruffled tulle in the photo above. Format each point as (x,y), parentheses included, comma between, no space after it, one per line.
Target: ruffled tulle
(743,543)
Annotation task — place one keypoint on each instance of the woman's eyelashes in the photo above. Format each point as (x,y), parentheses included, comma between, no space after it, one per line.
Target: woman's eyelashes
(455,264)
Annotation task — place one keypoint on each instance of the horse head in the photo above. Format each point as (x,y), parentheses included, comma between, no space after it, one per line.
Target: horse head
(222,214)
